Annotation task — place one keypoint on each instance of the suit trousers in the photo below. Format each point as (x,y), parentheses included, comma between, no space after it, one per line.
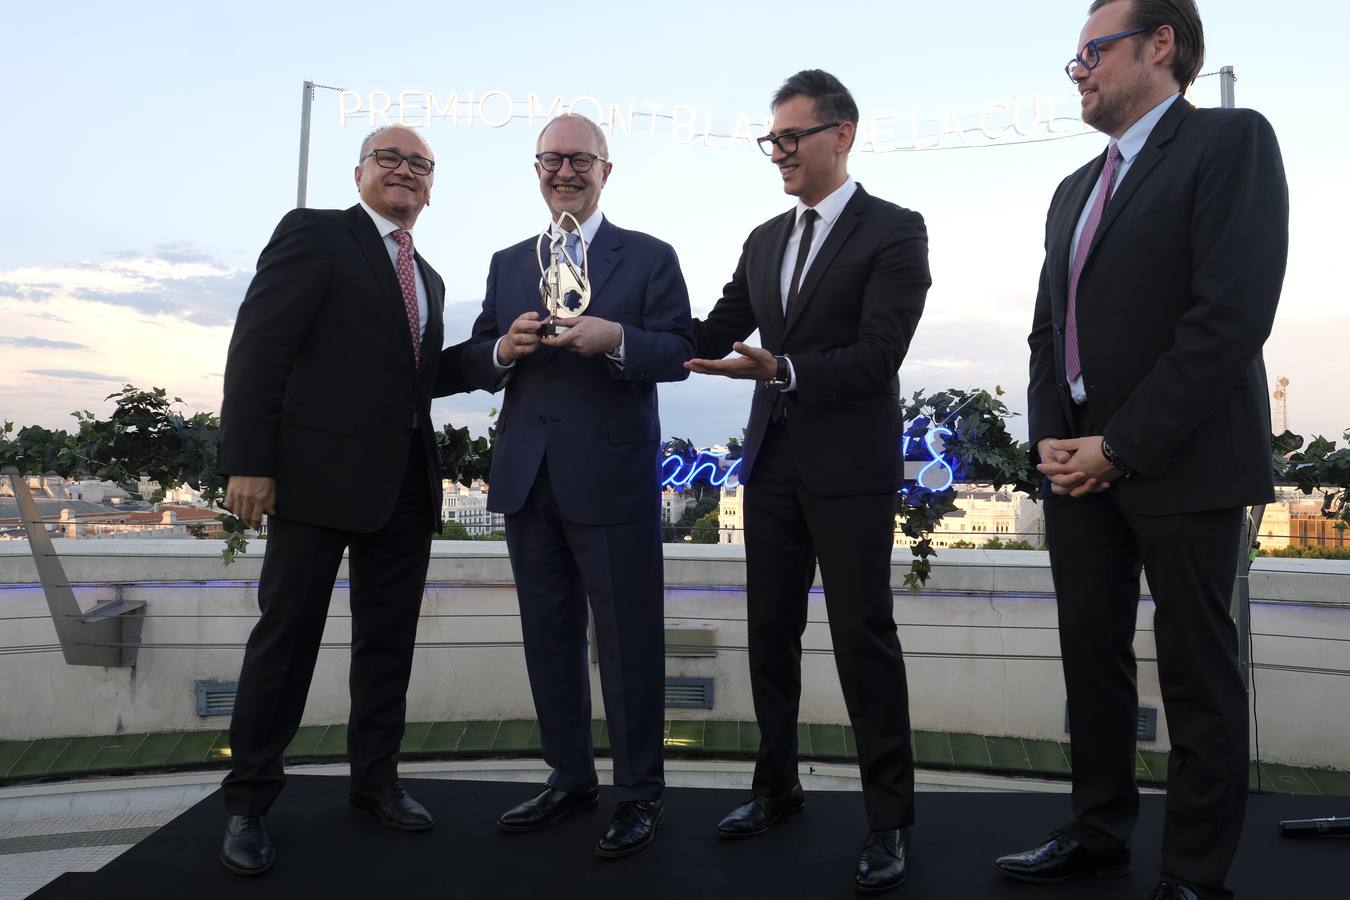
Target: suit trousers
(387,573)
(787,529)
(558,566)
(1096,552)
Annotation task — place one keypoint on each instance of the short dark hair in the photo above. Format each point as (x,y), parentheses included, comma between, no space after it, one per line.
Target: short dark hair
(833,102)
(1187,28)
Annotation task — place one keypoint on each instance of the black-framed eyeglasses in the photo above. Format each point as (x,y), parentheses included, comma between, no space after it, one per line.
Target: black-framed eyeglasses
(392,159)
(1091,55)
(788,140)
(581,162)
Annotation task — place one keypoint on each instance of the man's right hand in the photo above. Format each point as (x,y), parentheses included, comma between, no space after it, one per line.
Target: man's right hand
(249,496)
(521,340)
(1049,453)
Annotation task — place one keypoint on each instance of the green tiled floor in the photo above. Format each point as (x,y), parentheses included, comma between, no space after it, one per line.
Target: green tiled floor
(68,757)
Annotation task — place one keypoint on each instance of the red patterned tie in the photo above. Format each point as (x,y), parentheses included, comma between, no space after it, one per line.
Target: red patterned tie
(1073,365)
(407,281)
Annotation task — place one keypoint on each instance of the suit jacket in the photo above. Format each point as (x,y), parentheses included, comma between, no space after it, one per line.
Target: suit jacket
(1176,298)
(847,333)
(321,390)
(594,422)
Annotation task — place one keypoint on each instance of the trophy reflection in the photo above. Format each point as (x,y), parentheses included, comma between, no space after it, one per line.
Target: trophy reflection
(564,282)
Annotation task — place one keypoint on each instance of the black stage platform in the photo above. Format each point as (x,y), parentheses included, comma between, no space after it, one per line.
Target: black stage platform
(328,850)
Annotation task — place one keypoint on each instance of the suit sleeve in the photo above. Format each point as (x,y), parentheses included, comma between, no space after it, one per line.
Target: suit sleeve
(659,349)
(893,300)
(477,359)
(1045,416)
(282,302)
(731,319)
(1239,246)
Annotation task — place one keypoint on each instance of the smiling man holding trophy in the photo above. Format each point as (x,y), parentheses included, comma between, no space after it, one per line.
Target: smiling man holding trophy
(580,323)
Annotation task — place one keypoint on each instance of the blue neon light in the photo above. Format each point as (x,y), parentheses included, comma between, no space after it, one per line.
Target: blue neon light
(679,473)
(683,472)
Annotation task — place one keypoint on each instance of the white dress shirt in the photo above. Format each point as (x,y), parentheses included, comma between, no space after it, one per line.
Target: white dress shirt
(828,210)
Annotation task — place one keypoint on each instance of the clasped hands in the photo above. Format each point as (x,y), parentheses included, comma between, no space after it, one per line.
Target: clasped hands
(1075,466)
(585,336)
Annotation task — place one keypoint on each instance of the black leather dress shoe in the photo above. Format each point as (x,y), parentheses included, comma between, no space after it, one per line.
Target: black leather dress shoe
(757,814)
(1170,890)
(394,807)
(549,807)
(247,849)
(884,862)
(632,828)
(1060,859)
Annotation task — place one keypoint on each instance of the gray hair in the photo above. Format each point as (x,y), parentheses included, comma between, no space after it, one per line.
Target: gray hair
(369,143)
(596,130)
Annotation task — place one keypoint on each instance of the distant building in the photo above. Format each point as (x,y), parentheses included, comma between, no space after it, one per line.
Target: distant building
(673,505)
(982,513)
(81,519)
(730,524)
(467,505)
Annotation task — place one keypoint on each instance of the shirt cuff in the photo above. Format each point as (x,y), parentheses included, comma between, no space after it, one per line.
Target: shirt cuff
(792,375)
(495,357)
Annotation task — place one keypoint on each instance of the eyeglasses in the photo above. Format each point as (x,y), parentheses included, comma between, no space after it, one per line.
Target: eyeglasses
(392,159)
(1091,55)
(581,162)
(787,141)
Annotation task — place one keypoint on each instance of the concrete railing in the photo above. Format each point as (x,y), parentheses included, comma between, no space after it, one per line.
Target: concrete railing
(980,643)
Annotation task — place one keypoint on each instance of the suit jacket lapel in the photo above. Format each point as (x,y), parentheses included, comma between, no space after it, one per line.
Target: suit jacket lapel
(848,220)
(1151,154)
(377,256)
(602,256)
(769,312)
(433,336)
(1066,221)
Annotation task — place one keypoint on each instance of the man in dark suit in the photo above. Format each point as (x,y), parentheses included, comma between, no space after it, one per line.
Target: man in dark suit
(575,469)
(835,287)
(1148,411)
(326,427)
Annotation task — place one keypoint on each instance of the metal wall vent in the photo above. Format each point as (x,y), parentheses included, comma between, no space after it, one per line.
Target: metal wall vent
(689,693)
(1146,727)
(216,698)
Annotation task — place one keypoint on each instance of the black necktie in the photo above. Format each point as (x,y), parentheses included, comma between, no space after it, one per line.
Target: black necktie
(803,251)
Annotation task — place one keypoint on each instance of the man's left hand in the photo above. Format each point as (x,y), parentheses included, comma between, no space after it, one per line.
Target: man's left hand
(750,362)
(587,335)
(1085,472)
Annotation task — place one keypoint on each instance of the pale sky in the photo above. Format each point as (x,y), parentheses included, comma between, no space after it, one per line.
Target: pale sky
(153,148)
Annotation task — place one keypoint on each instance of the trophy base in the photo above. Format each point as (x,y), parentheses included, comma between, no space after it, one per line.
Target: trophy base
(553,328)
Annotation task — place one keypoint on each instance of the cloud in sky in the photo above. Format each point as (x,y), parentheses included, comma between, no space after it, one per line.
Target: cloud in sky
(76,375)
(37,343)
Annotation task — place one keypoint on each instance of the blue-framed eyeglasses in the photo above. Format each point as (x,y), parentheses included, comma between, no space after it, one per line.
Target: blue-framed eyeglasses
(1091,55)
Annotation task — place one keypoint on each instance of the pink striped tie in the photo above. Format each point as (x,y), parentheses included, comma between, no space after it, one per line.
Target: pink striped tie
(407,282)
(1073,365)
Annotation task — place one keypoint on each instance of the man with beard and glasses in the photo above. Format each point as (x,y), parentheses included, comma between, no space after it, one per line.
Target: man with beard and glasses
(575,469)
(1164,260)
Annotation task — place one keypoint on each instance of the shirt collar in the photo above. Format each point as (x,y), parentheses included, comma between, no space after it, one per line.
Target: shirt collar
(588,227)
(1134,138)
(829,208)
(383,225)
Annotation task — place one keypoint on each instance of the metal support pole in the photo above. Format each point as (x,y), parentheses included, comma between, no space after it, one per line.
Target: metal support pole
(1242,596)
(1227,78)
(306,101)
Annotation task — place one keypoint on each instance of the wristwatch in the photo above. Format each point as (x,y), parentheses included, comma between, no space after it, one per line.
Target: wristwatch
(1114,459)
(782,377)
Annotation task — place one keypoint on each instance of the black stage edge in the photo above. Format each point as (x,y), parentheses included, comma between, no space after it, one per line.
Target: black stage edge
(326,849)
